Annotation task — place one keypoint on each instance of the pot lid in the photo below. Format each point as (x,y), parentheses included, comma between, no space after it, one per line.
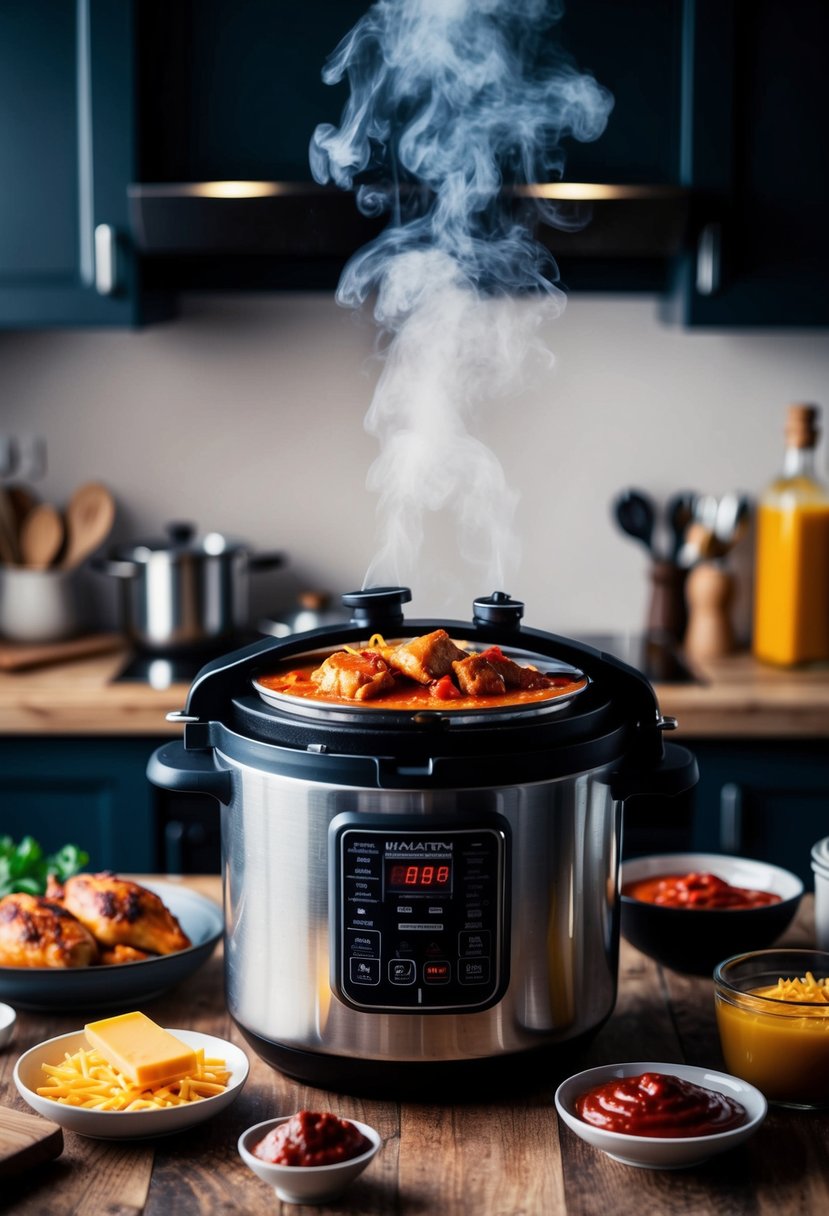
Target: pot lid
(182,539)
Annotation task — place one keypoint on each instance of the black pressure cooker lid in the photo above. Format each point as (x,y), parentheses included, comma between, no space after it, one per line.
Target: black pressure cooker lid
(613,716)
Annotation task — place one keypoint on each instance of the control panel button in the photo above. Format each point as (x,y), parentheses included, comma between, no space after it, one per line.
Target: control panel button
(473,970)
(402,971)
(364,970)
(437,972)
(474,943)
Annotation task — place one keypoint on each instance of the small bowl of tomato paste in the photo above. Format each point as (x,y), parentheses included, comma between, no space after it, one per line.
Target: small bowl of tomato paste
(691,910)
(660,1116)
(309,1157)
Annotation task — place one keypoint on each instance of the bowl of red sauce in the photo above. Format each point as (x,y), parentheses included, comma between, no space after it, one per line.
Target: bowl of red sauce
(309,1157)
(660,1116)
(690,910)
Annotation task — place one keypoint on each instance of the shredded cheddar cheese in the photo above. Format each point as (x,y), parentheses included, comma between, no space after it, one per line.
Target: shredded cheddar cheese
(804,991)
(86,1080)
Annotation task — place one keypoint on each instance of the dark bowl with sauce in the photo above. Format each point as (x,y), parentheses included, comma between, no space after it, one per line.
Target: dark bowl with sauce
(694,938)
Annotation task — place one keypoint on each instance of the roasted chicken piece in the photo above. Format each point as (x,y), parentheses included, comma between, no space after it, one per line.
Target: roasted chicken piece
(513,674)
(477,677)
(426,658)
(115,955)
(39,932)
(120,913)
(358,677)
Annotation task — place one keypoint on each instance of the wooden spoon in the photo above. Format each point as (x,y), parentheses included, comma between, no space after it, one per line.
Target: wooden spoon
(41,537)
(89,519)
(8,531)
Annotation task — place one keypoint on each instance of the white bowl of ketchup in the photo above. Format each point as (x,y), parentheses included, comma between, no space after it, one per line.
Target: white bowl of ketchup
(709,1127)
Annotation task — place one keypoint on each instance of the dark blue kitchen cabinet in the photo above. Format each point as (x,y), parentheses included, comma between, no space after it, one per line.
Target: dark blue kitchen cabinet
(753,154)
(67,154)
(767,799)
(90,792)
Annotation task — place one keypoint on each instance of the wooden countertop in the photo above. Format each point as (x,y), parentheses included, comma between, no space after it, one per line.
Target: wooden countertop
(737,698)
(496,1158)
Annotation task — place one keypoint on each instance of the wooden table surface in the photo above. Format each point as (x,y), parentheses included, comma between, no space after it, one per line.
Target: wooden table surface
(736,697)
(507,1157)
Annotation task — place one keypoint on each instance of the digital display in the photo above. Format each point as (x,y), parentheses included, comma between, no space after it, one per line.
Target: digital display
(418,877)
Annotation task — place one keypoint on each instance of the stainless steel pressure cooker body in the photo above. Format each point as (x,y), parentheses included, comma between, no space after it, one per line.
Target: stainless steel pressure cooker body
(423,890)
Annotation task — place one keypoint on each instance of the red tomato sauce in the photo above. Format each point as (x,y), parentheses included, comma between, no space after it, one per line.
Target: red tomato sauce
(696,890)
(311,1138)
(656,1105)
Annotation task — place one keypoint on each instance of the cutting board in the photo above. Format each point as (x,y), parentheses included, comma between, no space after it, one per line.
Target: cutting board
(26,1141)
(17,656)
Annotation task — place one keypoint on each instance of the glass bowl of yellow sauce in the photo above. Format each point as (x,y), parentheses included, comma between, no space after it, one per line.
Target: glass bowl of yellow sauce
(772,1011)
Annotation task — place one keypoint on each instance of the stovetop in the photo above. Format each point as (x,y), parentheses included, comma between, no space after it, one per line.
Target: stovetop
(162,668)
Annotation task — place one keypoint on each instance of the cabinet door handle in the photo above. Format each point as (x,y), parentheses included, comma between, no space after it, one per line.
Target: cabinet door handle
(731,818)
(709,259)
(106,263)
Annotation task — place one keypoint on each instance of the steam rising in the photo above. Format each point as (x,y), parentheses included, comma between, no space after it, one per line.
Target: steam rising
(448,99)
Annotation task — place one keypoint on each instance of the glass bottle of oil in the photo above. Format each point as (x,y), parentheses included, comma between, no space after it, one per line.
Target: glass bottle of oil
(791,594)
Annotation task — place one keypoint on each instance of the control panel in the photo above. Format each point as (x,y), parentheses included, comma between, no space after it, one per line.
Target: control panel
(418,914)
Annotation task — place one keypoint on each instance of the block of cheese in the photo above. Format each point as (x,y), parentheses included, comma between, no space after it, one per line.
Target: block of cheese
(142,1051)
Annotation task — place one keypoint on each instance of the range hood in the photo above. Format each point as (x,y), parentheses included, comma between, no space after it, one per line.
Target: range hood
(302,220)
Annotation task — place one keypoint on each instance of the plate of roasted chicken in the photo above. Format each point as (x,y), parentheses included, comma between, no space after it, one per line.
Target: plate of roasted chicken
(100,940)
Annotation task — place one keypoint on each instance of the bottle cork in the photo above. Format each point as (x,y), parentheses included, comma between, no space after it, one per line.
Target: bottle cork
(802,426)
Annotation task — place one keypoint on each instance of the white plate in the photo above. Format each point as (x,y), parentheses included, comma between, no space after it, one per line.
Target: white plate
(123,984)
(661,1153)
(127,1124)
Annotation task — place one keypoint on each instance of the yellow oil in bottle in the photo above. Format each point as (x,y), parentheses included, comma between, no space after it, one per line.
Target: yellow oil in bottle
(791,600)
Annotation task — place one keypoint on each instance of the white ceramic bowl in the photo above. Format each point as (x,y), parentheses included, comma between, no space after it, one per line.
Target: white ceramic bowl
(660,1153)
(8,1017)
(305,1183)
(127,1124)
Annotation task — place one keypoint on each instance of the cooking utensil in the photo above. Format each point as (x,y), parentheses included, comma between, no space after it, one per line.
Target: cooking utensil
(26,1141)
(89,519)
(733,511)
(184,590)
(41,537)
(8,531)
(424,862)
(635,514)
(679,511)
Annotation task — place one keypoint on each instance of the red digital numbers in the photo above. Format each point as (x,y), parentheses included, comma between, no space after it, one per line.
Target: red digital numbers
(418,876)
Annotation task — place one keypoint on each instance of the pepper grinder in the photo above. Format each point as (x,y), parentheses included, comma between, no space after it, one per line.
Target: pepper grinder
(710,594)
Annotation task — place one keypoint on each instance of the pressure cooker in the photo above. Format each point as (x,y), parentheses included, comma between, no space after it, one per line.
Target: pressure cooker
(426,898)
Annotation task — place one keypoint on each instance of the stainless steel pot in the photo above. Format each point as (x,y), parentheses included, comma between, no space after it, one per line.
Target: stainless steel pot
(185,590)
(431,892)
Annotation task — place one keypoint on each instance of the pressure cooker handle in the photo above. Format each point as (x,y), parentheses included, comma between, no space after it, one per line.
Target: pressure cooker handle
(188,772)
(675,772)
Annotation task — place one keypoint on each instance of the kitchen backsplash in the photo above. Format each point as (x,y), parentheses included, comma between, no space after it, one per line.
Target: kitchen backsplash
(246,416)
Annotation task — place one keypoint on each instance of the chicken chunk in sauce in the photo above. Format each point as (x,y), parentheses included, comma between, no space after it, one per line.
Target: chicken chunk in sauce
(354,676)
(426,658)
(513,674)
(477,677)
